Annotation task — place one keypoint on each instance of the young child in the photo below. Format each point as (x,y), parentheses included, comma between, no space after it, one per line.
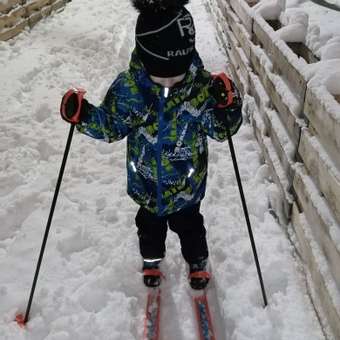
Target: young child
(166,104)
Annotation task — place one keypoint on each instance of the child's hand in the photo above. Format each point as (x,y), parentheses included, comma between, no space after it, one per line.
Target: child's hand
(229,105)
(72,105)
(222,90)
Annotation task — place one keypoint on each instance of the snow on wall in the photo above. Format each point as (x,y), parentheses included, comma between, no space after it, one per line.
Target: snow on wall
(326,73)
(16,15)
(306,95)
(305,20)
(295,26)
(270,10)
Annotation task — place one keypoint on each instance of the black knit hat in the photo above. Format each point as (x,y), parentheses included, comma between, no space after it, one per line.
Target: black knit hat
(165,36)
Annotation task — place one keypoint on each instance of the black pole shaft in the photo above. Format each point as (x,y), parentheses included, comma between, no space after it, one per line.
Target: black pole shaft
(246,214)
(49,221)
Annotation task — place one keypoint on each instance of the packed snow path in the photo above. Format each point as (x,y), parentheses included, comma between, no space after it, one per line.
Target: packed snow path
(90,285)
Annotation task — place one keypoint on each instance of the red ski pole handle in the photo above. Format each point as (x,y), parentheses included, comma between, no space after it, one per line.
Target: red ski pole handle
(70,108)
(223,90)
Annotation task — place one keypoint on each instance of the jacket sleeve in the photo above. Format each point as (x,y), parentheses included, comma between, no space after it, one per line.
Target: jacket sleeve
(111,121)
(217,122)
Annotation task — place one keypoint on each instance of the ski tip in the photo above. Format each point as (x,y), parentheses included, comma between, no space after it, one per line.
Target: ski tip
(20,320)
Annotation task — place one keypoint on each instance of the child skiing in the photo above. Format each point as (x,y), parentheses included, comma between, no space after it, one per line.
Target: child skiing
(166,104)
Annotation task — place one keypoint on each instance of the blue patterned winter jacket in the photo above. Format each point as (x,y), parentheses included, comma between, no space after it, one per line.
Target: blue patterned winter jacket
(167,150)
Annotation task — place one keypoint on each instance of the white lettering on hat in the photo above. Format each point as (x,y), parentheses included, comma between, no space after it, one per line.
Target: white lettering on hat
(180,53)
(186,23)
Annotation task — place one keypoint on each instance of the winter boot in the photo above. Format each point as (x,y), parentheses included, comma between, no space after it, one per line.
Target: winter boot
(152,274)
(199,276)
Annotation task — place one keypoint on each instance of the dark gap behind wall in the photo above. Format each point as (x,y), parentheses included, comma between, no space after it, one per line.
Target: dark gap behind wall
(300,49)
(252,3)
(275,24)
(304,52)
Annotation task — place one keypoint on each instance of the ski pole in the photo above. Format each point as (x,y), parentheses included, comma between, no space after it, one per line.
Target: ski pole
(20,319)
(224,95)
(246,214)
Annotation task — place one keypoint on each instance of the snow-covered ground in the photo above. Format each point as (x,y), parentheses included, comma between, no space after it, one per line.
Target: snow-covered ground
(90,285)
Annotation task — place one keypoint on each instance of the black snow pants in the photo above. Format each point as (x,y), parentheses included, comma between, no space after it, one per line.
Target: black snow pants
(187,223)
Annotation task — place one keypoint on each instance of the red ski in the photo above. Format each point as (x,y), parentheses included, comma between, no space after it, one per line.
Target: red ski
(203,316)
(152,315)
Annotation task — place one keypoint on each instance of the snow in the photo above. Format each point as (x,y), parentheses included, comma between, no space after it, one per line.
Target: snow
(327,74)
(90,285)
(332,83)
(331,50)
(326,21)
(295,26)
(322,263)
(317,27)
(323,24)
(306,22)
(324,80)
(330,167)
(270,10)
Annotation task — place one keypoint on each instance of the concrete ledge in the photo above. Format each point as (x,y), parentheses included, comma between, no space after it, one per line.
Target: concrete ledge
(284,147)
(34,6)
(321,168)
(12,19)
(239,58)
(16,15)
(324,119)
(278,92)
(58,4)
(327,302)
(241,83)
(282,143)
(7,6)
(241,34)
(10,33)
(321,220)
(234,68)
(243,11)
(286,63)
(291,123)
(278,174)
(259,93)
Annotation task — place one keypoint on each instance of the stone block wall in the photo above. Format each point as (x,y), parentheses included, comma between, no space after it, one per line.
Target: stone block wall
(299,135)
(16,15)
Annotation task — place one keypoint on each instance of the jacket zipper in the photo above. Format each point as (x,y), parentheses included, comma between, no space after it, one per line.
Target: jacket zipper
(159,149)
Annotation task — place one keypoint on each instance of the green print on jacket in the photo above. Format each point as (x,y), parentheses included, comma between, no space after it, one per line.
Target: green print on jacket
(167,151)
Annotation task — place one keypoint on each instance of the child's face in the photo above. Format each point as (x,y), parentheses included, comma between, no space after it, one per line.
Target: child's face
(167,82)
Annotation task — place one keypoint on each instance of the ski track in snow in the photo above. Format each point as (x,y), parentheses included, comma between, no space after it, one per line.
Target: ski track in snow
(90,285)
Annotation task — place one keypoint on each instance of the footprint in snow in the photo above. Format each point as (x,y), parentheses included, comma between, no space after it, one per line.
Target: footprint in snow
(42,112)
(14,214)
(10,183)
(77,242)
